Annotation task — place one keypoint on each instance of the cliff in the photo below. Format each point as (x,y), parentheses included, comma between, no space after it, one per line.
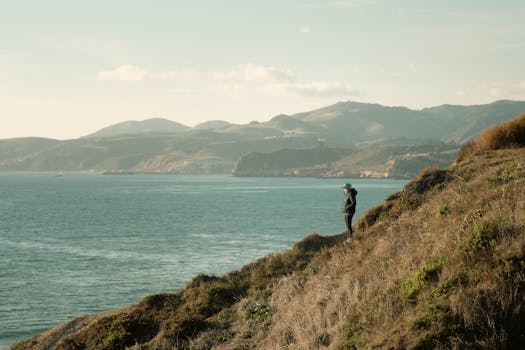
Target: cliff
(440,264)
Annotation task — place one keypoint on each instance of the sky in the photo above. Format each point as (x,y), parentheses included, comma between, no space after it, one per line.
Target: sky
(69,68)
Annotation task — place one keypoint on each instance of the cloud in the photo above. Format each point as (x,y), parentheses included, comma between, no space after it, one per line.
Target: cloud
(492,90)
(132,73)
(256,73)
(313,89)
(506,89)
(287,89)
(263,81)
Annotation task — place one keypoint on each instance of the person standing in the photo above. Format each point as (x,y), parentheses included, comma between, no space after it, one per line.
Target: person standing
(349,204)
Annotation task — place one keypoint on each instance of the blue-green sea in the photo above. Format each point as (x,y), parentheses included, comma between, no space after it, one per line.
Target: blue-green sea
(83,243)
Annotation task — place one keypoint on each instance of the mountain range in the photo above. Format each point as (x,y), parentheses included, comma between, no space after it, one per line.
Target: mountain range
(160,145)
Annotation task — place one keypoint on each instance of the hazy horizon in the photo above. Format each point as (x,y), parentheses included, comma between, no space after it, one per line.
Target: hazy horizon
(68,69)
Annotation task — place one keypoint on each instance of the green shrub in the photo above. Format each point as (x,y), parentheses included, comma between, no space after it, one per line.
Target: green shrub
(218,295)
(261,313)
(421,278)
(445,288)
(483,236)
(351,339)
(510,267)
(185,325)
(122,330)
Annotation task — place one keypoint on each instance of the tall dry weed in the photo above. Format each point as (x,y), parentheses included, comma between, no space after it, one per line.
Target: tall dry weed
(510,134)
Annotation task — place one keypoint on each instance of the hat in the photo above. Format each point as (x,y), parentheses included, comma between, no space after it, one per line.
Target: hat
(347,186)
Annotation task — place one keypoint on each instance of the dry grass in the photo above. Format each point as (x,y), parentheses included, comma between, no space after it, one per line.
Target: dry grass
(510,134)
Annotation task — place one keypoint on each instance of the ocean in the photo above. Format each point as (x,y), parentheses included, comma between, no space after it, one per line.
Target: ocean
(74,244)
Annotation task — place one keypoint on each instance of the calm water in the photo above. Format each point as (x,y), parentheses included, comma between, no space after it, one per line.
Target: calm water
(85,243)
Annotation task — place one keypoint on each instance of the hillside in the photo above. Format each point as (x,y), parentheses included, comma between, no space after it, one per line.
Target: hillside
(383,161)
(441,264)
(352,123)
(289,162)
(474,118)
(194,152)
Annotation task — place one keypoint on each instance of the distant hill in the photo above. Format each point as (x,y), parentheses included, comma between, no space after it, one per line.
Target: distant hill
(353,123)
(213,124)
(465,122)
(194,152)
(140,127)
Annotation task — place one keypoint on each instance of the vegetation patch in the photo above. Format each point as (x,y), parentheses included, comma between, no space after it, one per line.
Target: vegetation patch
(261,313)
(121,331)
(447,287)
(421,278)
(482,237)
(351,338)
(511,267)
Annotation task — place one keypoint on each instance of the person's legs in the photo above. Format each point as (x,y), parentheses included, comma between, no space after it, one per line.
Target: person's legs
(348,222)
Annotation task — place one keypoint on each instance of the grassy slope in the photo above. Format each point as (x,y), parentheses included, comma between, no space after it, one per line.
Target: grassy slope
(445,267)
(439,265)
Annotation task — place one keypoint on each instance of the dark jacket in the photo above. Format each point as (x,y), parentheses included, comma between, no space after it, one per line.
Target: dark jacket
(350,202)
